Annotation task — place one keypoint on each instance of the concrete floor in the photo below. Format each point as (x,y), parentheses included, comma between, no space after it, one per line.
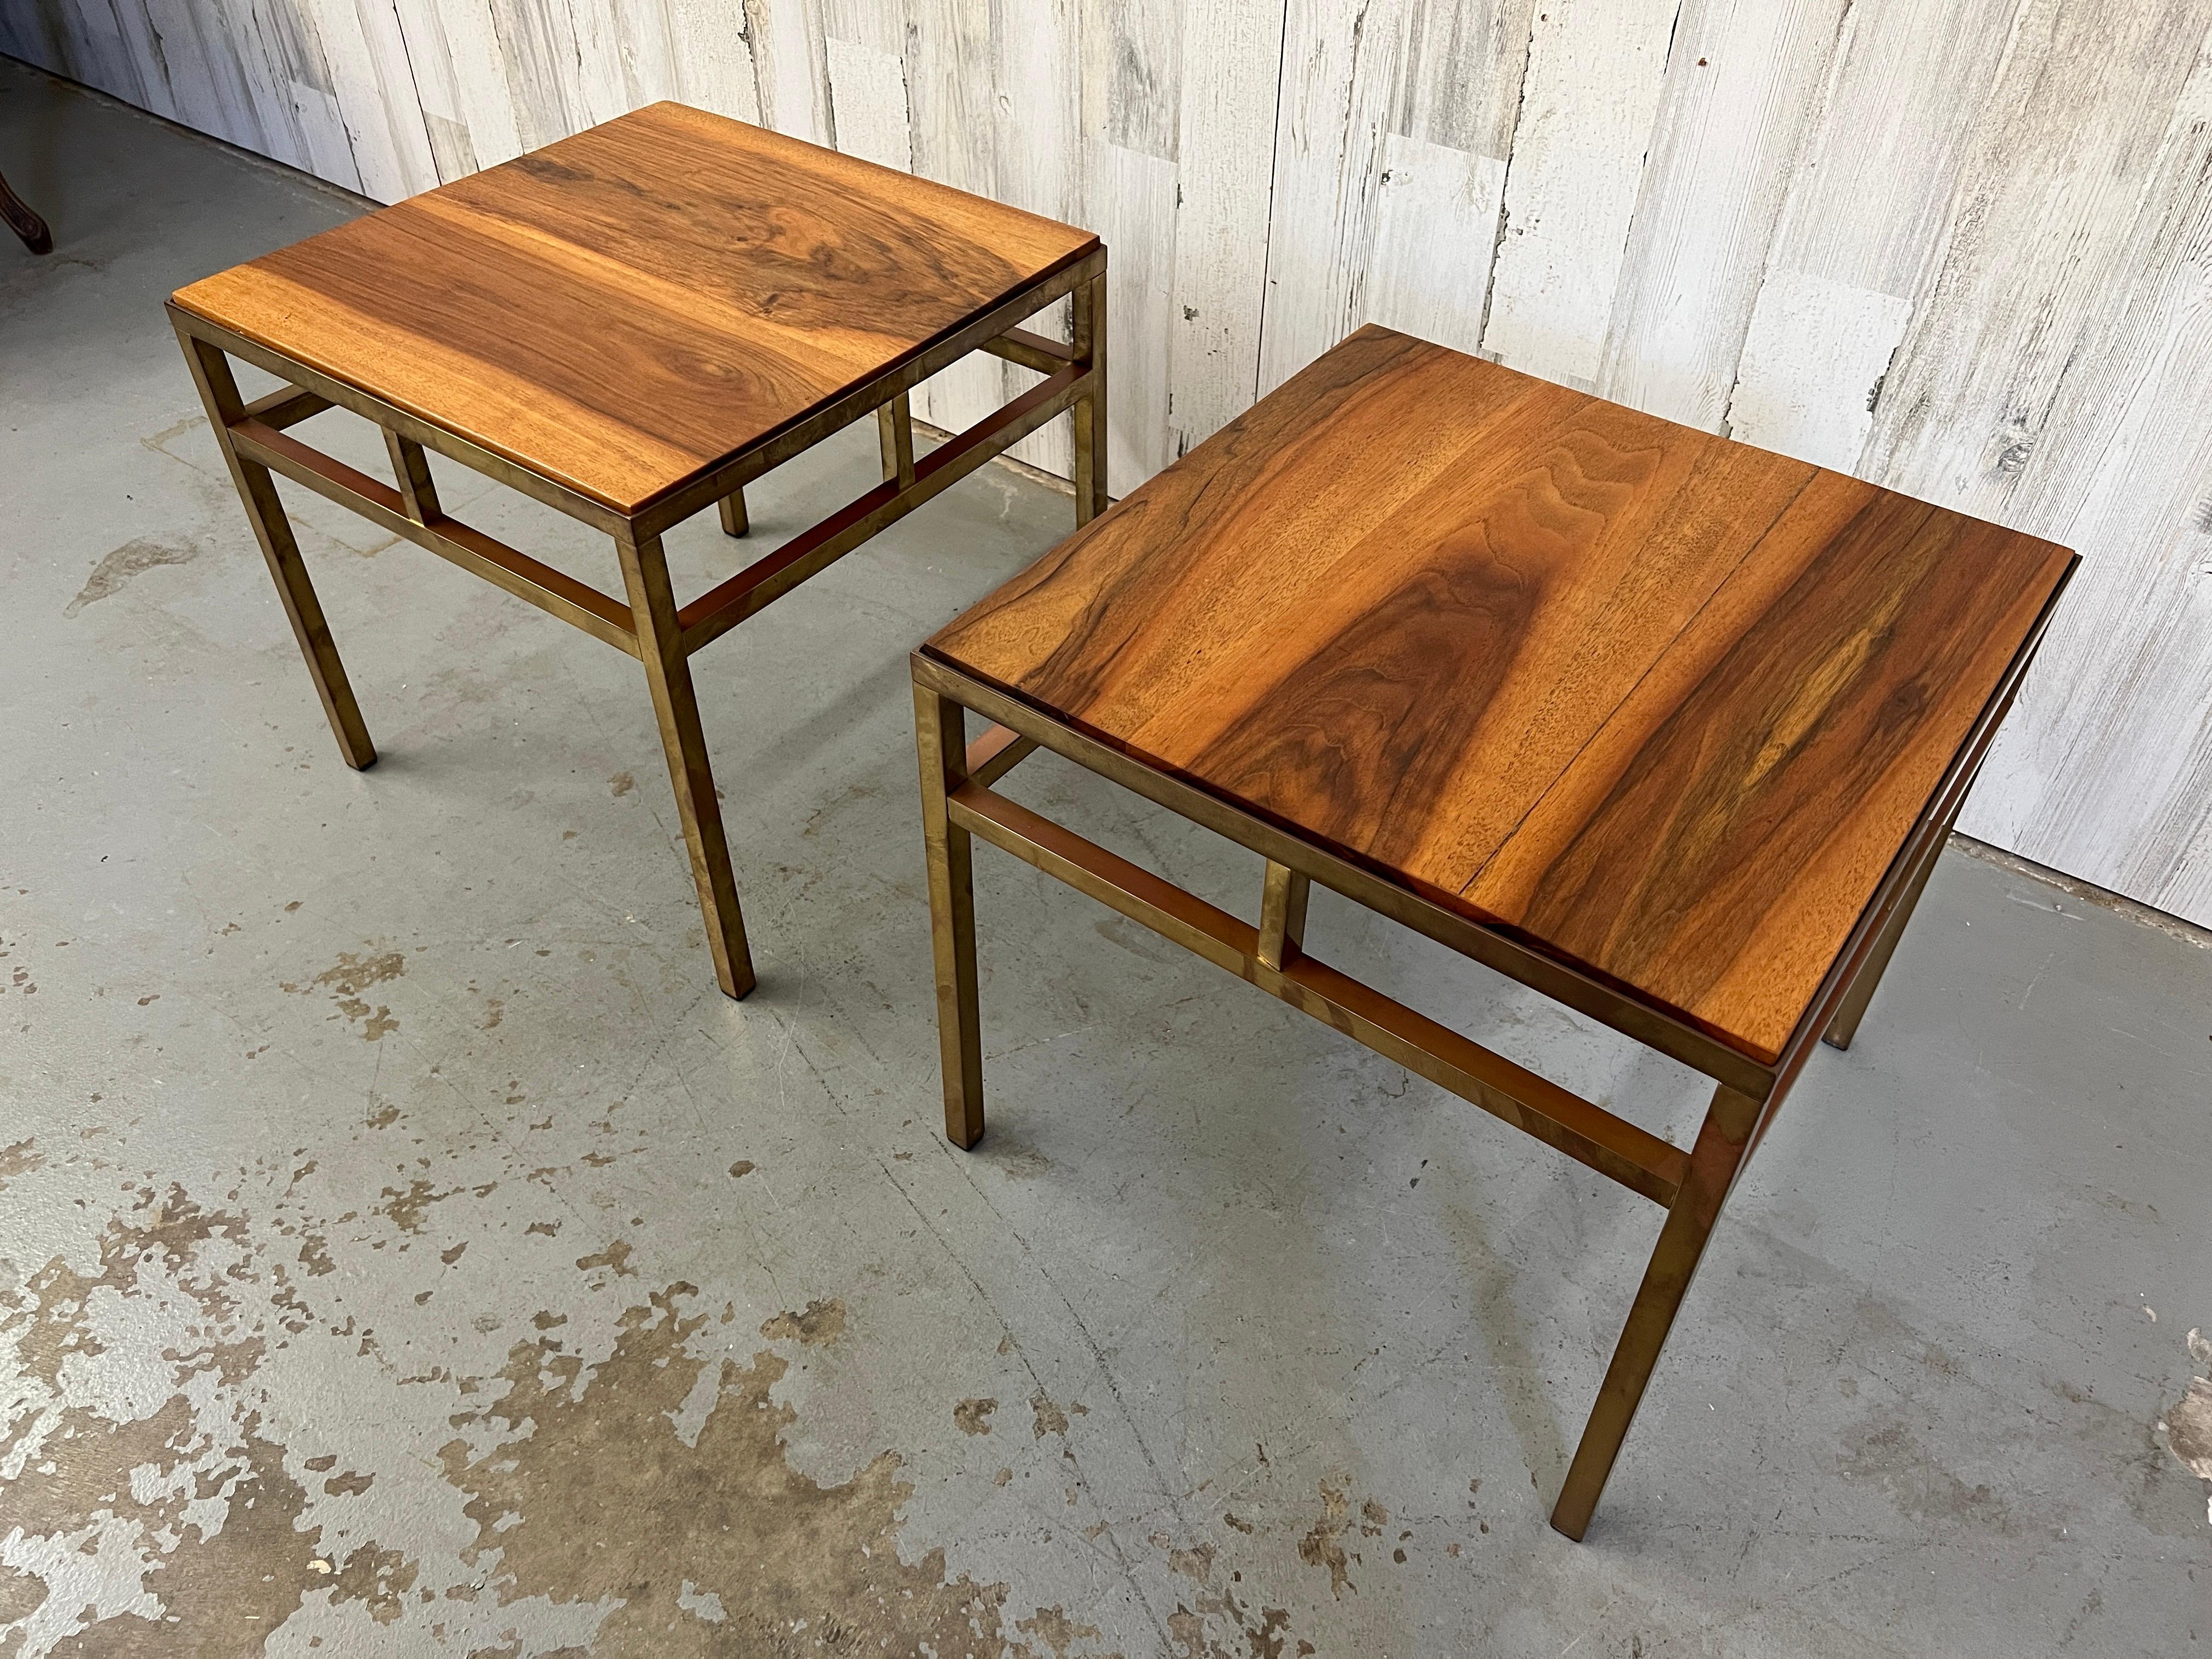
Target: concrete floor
(405,1249)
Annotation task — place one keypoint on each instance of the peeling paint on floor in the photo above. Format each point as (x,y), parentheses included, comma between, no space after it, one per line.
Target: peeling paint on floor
(2188,1422)
(587,1492)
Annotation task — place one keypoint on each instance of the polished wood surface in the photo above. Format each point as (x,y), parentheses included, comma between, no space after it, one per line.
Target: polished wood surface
(624,310)
(1664,706)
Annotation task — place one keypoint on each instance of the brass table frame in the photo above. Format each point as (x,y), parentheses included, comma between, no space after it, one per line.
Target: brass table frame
(649,625)
(959,804)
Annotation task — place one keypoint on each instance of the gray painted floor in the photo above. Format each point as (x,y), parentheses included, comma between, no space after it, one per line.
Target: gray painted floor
(405,1249)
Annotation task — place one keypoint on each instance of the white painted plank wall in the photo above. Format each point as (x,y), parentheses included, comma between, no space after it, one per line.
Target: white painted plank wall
(1596,69)
(1742,81)
(1963,247)
(1867,221)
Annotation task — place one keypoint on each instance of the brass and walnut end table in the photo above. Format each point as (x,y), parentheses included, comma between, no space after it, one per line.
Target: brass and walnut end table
(631,324)
(1667,728)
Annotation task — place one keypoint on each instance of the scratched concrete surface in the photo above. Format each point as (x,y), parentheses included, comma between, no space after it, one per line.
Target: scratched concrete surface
(405,1249)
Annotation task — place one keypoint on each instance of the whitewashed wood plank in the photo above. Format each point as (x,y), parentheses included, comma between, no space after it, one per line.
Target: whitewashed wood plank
(2062,158)
(1743,80)
(1223,174)
(1132,56)
(787,37)
(2101,769)
(1037,69)
(385,137)
(1813,366)
(143,47)
(537,51)
(1865,224)
(1460,73)
(867,104)
(714,67)
(236,49)
(205,80)
(1870,200)
(1132,207)
(951,94)
(144,43)
(958,139)
(646,35)
(85,41)
(1339,79)
(623,57)
(1436,222)
(879,25)
(483,95)
(437,91)
(282,61)
(1590,97)
(870,116)
(281,67)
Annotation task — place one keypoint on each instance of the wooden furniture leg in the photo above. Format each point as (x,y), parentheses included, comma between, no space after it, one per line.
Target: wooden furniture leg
(939,739)
(676,706)
(24,221)
(1719,1151)
(273,531)
(1088,314)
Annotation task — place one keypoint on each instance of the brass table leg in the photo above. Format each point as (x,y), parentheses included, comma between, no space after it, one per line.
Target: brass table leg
(1088,329)
(1842,1029)
(273,531)
(1283,897)
(1720,1148)
(1845,1026)
(895,432)
(734,522)
(661,645)
(410,469)
(940,740)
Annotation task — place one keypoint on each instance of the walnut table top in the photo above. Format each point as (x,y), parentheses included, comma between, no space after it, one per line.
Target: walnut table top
(1662,706)
(625,311)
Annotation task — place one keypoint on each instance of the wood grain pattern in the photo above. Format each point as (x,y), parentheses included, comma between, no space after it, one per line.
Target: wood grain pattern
(1663,705)
(627,308)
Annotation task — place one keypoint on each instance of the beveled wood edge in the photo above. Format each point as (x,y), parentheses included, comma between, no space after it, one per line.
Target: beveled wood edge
(711,483)
(339,395)
(1586,994)
(1644,1163)
(1896,881)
